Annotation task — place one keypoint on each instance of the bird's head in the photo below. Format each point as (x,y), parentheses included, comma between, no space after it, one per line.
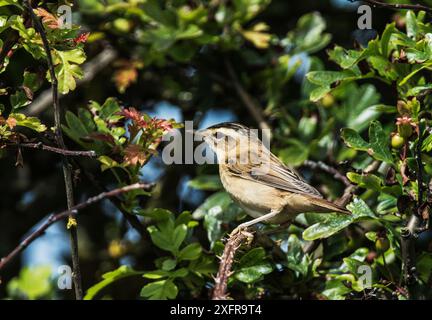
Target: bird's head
(228,140)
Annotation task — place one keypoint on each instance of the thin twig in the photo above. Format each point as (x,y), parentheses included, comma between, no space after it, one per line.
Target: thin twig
(349,187)
(73,211)
(253,108)
(67,170)
(396,6)
(65,152)
(227,259)
(330,170)
(131,218)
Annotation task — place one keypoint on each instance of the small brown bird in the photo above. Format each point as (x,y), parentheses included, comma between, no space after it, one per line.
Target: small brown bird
(267,189)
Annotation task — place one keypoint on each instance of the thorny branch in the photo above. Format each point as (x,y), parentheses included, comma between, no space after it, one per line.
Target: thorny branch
(396,6)
(73,211)
(227,259)
(67,170)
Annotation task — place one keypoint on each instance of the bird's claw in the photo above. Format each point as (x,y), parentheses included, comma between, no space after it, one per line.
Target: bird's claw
(243,230)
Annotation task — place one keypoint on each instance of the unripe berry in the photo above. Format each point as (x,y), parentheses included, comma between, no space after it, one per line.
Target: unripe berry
(328,100)
(397,141)
(382,245)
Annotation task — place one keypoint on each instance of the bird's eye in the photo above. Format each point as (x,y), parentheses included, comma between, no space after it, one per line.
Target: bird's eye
(219,135)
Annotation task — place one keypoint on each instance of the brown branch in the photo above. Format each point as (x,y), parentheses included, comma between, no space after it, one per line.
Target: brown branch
(67,170)
(64,152)
(227,259)
(413,227)
(73,211)
(396,6)
(131,218)
(253,108)
(330,170)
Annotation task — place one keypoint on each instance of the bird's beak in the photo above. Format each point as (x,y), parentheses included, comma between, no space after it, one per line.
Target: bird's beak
(201,133)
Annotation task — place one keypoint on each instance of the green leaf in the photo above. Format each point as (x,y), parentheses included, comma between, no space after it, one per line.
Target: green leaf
(353,140)
(411,24)
(203,266)
(252,266)
(160,290)
(190,252)
(76,126)
(297,260)
(217,208)
(384,67)
(178,236)
(11,2)
(169,264)
(308,36)
(158,214)
(326,80)
(295,154)
(368,181)
(254,273)
(333,223)
(346,58)
(24,95)
(107,163)
(67,68)
(32,283)
(378,146)
(110,277)
(379,142)
(427,144)
(109,108)
(252,257)
(168,237)
(385,39)
(335,289)
(29,122)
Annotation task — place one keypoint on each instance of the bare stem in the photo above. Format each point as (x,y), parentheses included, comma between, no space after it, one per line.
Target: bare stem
(73,211)
(396,6)
(67,170)
(64,152)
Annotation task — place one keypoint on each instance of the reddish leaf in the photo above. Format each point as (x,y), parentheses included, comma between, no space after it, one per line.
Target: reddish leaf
(47,18)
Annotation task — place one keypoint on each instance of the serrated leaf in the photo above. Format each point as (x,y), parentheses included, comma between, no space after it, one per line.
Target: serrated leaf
(67,68)
(378,145)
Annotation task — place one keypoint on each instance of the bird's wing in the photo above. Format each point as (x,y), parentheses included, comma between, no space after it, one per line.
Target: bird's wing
(277,175)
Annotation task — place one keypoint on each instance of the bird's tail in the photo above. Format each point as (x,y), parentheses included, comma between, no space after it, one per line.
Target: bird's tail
(325,206)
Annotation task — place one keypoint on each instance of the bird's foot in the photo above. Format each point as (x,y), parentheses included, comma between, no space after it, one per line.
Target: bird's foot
(243,230)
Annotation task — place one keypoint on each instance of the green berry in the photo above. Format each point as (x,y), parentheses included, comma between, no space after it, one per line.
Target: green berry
(121,25)
(382,245)
(328,100)
(397,141)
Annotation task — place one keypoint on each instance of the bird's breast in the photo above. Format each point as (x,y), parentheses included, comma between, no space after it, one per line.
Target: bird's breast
(255,198)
